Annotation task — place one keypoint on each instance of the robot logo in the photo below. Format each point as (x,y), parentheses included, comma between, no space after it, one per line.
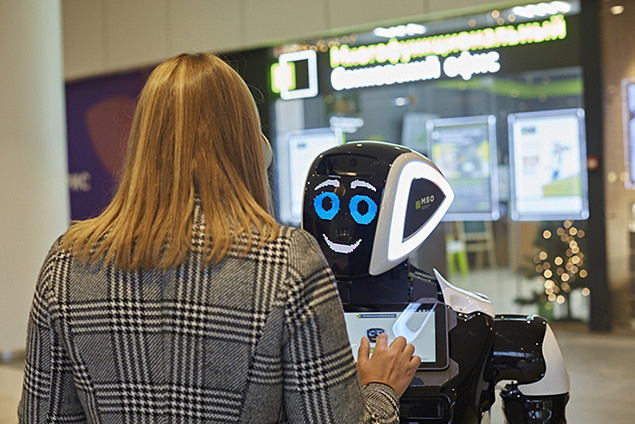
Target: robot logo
(362,208)
(372,334)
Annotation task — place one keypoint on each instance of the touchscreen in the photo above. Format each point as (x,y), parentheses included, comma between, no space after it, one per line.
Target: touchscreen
(415,324)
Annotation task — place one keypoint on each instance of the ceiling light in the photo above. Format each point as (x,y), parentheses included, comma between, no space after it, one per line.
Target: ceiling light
(617,10)
(541,9)
(400,31)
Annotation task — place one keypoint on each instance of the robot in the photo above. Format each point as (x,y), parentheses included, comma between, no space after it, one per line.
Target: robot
(370,205)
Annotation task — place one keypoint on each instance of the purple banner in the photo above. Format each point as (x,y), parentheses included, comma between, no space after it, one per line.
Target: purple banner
(99,114)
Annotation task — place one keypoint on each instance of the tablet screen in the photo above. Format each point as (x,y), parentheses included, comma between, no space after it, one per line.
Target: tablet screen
(423,325)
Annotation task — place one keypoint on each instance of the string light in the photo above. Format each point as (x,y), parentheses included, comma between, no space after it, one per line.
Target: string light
(559,272)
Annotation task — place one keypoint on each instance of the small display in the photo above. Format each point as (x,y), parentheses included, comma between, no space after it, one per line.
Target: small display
(422,324)
(464,149)
(548,164)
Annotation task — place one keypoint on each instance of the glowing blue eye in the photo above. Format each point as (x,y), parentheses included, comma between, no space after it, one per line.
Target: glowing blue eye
(369,215)
(318,204)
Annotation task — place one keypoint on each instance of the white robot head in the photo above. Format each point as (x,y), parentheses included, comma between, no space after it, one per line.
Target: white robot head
(370,204)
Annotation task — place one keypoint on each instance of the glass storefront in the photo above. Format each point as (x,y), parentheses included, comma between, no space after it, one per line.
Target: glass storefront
(496,101)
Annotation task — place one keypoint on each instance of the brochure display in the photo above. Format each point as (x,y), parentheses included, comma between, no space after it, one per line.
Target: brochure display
(464,149)
(548,165)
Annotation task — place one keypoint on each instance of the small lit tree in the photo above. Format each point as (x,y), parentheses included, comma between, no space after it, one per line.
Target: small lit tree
(559,265)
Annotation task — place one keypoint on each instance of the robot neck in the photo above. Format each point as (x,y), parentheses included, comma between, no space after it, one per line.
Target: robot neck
(402,284)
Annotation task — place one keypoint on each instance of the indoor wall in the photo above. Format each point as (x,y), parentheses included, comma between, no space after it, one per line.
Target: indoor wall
(106,36)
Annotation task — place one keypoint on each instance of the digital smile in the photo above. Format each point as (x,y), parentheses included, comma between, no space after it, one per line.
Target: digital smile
(341,248)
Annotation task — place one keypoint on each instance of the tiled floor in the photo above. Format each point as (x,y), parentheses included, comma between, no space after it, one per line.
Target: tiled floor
(601,366)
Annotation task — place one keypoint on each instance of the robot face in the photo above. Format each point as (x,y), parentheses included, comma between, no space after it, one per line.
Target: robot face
(356,204)
(342,203)
(370,205)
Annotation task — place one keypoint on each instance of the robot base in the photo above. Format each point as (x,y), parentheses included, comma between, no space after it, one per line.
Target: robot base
(533,410)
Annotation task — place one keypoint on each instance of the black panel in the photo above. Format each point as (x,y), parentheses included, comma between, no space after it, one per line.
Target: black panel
(517,351)
(521,409)
(424,200)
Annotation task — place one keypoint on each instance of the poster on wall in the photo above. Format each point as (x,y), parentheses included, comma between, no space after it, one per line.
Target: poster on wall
(628,107)
(548,165)
(295,153)
(464,149)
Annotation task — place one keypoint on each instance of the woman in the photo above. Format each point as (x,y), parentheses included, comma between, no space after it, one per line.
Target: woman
(184,301)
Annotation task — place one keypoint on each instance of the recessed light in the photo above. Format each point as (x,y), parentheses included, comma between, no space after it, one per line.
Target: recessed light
(617,10)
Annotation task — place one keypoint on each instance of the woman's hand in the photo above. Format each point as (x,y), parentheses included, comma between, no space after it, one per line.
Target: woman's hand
(394,365)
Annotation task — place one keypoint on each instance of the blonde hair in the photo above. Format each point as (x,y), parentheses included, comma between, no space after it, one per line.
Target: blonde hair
(196,133)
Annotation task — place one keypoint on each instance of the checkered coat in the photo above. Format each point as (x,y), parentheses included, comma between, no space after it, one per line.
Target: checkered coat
(258,339)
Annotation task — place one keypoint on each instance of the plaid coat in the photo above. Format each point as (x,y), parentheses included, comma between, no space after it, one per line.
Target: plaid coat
(258,339)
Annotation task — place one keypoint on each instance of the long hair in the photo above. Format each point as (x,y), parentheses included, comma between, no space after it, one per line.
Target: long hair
(196,134)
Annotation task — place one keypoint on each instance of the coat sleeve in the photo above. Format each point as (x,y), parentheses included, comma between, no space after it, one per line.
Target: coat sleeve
(321,384)
(48,391)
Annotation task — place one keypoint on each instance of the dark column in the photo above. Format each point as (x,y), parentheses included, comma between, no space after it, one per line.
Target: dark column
(600,319)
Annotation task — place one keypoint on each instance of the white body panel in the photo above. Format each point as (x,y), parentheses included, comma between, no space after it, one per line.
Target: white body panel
(390,248)
(556,379)
(463,301)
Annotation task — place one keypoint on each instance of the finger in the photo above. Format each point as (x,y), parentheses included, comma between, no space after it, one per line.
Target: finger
(382,341)
(415,361)
(409,349)
(364,351)
(399,343)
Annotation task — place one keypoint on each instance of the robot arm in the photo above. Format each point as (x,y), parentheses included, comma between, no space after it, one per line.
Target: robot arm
(527,353)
